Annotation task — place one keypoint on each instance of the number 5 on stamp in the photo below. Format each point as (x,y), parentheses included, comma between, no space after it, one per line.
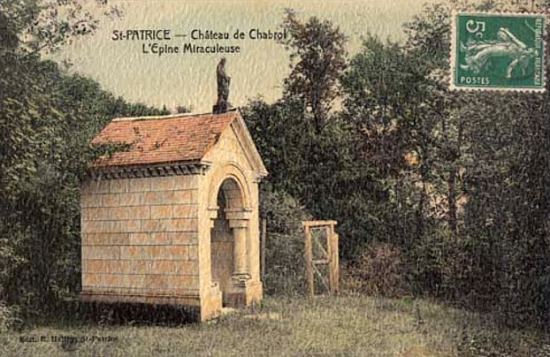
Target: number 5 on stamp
(498,52)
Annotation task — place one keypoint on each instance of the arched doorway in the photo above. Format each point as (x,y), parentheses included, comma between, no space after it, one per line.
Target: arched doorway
(228,238)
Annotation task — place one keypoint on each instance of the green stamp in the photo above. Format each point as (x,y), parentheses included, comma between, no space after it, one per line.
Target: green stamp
(498,51)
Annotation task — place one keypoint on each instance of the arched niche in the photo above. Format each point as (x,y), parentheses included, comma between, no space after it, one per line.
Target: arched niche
(230,213)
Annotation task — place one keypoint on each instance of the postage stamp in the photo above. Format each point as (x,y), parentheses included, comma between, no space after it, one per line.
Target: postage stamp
(498,51)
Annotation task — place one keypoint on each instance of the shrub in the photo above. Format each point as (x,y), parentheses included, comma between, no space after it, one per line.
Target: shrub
(8,317)
(284,245)
(379,270)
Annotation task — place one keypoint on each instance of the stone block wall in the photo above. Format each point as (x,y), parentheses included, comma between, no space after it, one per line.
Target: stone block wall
(140,236)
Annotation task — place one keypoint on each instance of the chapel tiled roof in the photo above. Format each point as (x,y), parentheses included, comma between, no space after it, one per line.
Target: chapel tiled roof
(162,139)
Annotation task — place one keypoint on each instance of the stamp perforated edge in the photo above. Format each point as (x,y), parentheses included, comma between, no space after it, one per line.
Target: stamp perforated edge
(452,57)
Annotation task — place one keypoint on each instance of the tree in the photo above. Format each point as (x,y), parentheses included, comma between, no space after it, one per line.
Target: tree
(394,107)
(37,25)
(317,60)
(317,168)
(47,119)
(492,150)
(465,175)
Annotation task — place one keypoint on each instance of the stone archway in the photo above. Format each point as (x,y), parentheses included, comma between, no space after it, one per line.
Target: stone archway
(221,236)
(229,237)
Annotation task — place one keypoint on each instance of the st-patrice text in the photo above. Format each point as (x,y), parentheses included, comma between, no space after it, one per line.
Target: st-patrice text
(160,42)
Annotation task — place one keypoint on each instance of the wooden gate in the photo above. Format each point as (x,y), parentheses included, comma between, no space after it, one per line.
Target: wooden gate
(321,254)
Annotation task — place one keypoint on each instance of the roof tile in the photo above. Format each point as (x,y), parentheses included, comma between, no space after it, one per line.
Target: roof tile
(162,139)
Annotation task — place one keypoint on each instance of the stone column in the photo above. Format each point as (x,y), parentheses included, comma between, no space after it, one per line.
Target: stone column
(240,228)
(212,213)
(238,221)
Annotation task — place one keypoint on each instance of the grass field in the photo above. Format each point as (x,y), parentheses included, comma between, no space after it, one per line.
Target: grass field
(327,326)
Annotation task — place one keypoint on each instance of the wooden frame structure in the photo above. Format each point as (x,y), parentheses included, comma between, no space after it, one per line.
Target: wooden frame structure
(329,256)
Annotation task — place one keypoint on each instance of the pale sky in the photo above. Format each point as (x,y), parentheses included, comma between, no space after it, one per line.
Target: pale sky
(190,79)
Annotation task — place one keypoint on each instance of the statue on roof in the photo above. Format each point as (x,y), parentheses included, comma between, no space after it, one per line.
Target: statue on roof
(223,80)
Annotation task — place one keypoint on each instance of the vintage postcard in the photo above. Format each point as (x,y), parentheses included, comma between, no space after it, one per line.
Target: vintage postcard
(274,178)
